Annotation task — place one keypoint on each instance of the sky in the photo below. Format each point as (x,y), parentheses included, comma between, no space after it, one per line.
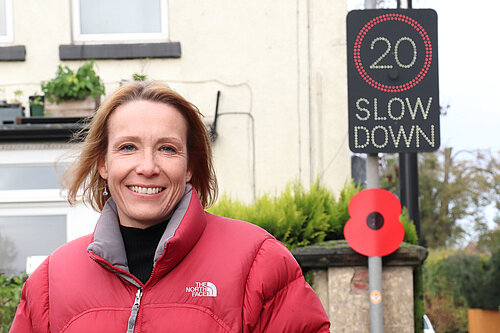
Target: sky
(468,48)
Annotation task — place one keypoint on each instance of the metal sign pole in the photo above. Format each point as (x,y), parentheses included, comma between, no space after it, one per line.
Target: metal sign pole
(374,263)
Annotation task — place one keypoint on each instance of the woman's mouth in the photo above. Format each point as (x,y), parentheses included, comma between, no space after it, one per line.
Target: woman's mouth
(146,190)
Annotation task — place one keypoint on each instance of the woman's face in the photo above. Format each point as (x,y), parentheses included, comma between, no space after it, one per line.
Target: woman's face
(146,163)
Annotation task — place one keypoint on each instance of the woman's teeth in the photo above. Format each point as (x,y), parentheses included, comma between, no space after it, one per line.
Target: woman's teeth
(146,190)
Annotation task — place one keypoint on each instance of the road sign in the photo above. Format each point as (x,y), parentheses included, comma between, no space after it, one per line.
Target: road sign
(393,81)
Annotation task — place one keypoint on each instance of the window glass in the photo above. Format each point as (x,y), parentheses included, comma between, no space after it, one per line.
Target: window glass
(31,177)
(6,34)
(25,236)
(3,18)
(120,16)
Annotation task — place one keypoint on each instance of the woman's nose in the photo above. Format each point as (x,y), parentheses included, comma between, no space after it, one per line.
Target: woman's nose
(147,165)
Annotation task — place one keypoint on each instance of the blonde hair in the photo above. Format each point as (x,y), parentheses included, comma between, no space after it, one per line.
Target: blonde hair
(84,174)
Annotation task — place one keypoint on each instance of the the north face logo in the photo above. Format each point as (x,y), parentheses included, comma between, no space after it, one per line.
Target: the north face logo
(202,289)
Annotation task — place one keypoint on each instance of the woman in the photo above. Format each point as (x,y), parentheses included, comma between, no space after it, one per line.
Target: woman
(157,262)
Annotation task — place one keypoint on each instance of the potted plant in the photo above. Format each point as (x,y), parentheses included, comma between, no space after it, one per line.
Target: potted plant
(73,93)
(36,105)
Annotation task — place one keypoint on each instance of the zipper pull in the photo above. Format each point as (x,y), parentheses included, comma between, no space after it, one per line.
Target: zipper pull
(134,311)
(138,297)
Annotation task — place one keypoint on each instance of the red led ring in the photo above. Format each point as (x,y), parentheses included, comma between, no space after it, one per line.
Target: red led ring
(394,17)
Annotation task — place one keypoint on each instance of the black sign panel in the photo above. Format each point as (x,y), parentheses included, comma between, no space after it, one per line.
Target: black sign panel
(393,81)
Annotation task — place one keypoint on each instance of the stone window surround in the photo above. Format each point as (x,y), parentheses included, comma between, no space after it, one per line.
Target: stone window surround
(101,51)
(120,51)
(13,53)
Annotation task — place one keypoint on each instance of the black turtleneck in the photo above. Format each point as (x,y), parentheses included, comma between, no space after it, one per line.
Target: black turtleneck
(140,246)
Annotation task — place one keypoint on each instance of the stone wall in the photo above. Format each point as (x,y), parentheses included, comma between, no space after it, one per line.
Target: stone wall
(340,278)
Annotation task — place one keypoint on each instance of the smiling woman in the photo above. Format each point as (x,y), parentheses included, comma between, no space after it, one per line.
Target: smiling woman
(157,262)
(146,171)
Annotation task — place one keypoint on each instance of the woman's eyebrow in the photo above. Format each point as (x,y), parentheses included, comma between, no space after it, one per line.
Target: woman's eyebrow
(138,139)
(127,138)
(170,138)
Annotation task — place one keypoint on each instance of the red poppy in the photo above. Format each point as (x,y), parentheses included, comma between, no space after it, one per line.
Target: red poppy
(374,228)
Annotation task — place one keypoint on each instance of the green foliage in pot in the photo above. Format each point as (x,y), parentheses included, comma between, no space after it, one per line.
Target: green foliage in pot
(68,85)
(139,77)
(36,101)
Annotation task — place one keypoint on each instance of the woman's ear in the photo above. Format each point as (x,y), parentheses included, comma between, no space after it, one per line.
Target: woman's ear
(188,176)
(102,169)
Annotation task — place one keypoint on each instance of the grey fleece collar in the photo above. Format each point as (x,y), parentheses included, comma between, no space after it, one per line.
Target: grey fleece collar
(108,241)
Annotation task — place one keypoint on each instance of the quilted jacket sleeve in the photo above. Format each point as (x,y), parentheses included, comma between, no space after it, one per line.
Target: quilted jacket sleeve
(33,311)
(277,298)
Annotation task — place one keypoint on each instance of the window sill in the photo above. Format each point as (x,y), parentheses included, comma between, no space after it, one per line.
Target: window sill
(120,51)
(13,53)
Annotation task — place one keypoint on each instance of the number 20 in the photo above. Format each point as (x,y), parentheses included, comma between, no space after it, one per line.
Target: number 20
(375,64)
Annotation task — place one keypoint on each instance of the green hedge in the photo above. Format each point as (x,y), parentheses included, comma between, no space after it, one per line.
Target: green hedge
(10,295)
(299,216)
(457,281)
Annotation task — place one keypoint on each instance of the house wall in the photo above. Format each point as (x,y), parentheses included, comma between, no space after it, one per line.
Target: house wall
(279,65)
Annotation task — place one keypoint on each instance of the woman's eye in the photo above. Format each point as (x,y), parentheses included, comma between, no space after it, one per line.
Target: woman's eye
(127,148)
(168,149)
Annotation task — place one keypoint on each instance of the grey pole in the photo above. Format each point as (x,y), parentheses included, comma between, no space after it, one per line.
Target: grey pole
(374,263)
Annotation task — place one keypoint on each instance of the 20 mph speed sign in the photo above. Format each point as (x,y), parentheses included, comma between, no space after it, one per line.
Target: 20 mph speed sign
(393,80)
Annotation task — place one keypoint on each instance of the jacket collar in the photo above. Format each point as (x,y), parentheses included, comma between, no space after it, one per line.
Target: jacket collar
(183,231)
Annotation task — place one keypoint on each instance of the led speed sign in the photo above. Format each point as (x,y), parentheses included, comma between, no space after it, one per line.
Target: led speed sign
(393,80)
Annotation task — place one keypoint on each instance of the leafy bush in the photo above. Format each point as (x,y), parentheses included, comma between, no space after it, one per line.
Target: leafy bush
(410,231)
(10,295)
(459,281)
(69,85)
(299,217)
(444,313)
(491,289)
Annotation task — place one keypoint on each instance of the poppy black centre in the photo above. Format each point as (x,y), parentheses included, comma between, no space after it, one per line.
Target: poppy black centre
(375,221)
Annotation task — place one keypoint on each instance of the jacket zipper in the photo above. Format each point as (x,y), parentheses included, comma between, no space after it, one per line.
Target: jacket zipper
(137,301)
(135,310)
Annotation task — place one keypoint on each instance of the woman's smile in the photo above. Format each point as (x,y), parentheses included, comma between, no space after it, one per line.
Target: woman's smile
(146,190)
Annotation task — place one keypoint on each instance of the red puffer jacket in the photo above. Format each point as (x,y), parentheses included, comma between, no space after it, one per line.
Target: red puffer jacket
(211,274)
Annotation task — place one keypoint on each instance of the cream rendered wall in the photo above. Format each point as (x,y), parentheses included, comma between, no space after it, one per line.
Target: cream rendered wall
(280,67)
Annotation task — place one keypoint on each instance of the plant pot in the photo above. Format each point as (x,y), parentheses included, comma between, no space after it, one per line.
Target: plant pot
(9,112)
(72,108)
(36,110)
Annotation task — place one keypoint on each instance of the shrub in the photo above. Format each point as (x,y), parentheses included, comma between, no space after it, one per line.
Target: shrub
(10,295)
(444,313)
(297,217)
(491,289)
(459,281)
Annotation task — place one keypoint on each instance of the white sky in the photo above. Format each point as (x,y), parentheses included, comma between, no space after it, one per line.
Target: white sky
(469,78)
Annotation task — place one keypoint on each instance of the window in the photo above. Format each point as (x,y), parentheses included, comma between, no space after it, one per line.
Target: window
(35,218)
(6,34)
(119,20)
(30,177)
(23,237)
